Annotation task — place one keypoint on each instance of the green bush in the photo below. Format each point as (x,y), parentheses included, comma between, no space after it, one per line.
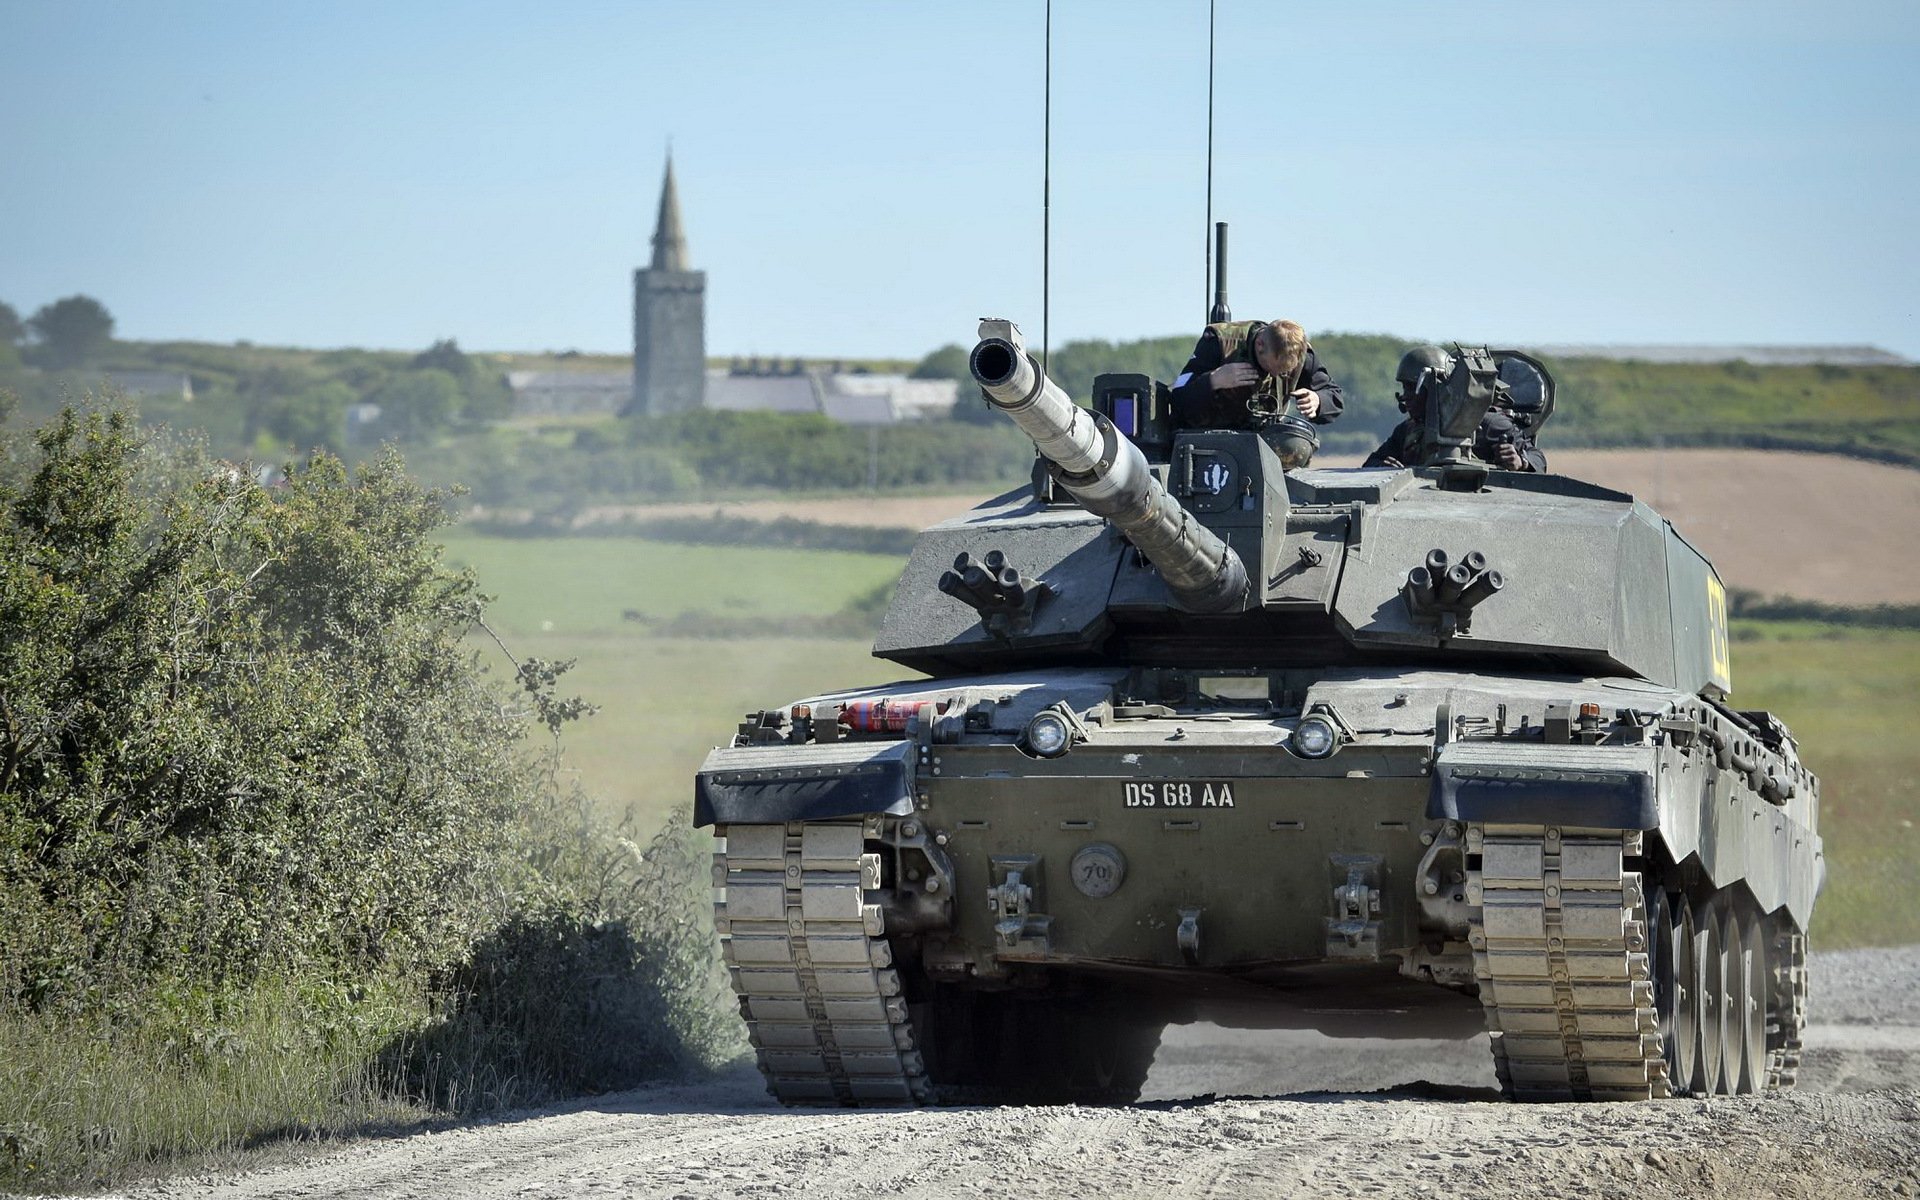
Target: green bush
(253,779)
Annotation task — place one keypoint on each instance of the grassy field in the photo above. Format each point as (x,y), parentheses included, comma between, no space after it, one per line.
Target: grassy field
(1852,696)
(587,585)
(666,701)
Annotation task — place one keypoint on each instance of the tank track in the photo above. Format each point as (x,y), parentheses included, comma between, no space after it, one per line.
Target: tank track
(1783,1064)
(1559,938)
(812,968)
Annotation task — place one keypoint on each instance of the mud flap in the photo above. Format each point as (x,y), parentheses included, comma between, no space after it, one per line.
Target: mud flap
(1492,782)
(758,785)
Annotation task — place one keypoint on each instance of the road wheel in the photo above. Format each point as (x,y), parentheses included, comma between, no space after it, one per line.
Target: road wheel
(1686,1000)
(1671,948)
(1754,970)
(1734,1006)
(1709,982)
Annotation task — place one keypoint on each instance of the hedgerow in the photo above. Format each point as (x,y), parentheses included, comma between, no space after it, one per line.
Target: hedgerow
(254,775)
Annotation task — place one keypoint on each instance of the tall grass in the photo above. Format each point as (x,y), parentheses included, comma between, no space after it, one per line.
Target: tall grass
(89,1100)
(551,1004)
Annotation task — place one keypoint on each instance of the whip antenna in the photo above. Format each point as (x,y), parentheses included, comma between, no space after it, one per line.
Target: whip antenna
(1046,192)
(1206,270)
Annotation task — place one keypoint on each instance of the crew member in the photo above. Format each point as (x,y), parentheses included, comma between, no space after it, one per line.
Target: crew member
(1500,440)
(1243,371)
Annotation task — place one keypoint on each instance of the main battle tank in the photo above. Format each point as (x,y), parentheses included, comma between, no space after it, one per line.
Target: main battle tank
(1375,752)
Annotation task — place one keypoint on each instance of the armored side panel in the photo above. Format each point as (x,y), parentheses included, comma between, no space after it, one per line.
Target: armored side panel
(1702,660)
(1589,577)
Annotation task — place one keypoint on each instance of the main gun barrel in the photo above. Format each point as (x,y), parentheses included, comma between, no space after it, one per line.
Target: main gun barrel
(1107,474)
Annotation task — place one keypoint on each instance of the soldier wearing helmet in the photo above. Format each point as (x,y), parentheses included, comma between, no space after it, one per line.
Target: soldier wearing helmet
(1499,440)
(1259,375)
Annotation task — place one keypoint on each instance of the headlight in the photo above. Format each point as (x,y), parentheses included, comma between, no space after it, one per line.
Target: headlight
(1048,735)
(1315,737)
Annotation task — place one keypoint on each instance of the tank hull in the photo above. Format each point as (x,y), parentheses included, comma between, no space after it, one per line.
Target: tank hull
(1466,857)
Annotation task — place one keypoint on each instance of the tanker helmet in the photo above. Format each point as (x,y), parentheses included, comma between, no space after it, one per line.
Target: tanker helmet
(1418,367)
(1293,438)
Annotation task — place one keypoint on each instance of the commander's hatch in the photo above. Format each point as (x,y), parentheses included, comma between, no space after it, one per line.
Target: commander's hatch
(1526,385)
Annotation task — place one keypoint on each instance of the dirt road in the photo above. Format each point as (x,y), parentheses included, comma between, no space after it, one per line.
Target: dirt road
(1229,1114)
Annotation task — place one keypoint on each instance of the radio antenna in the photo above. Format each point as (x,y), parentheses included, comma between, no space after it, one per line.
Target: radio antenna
(1206,270)
(1047,187)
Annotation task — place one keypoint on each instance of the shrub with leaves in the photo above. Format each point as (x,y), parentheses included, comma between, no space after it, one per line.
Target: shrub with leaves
(254,776)
(237,728)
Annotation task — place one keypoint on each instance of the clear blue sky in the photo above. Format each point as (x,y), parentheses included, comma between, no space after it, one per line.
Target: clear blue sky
(864,179)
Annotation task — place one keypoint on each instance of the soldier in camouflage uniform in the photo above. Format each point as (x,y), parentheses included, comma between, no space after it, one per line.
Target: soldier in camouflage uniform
(1499,440)
(1243,368)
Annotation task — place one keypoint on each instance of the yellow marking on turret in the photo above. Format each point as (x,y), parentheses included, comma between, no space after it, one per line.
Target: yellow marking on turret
(1717,634)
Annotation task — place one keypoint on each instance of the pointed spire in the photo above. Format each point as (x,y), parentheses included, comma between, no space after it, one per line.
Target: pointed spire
(669,242)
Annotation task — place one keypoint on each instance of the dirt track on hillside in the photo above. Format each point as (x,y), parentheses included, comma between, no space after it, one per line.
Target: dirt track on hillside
(1289,1114)
(1813,526)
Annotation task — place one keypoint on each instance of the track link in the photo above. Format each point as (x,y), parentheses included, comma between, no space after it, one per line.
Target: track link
(1783,1062)
(812,968)
(1559,937)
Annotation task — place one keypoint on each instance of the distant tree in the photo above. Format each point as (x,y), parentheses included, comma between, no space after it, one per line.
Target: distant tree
(315,418)
(71,332)
(416,404)
(444,355)
(362,370)
(948,362)
(483,393)
(488,396)
(276,383)
(12,329)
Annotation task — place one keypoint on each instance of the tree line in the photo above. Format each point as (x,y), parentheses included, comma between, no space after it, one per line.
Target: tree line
(447,408)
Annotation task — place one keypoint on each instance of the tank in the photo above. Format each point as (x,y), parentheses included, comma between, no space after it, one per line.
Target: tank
(1409,752)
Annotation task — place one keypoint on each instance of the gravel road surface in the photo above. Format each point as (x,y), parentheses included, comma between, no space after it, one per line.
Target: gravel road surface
(1228,1113)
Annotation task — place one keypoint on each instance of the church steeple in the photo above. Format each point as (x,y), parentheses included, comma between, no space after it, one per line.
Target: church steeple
(669,241)
(669,318)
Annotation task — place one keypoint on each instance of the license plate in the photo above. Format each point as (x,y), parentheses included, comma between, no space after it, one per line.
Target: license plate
(1182,793)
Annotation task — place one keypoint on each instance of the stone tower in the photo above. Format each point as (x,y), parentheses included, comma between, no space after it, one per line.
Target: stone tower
(669,319)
